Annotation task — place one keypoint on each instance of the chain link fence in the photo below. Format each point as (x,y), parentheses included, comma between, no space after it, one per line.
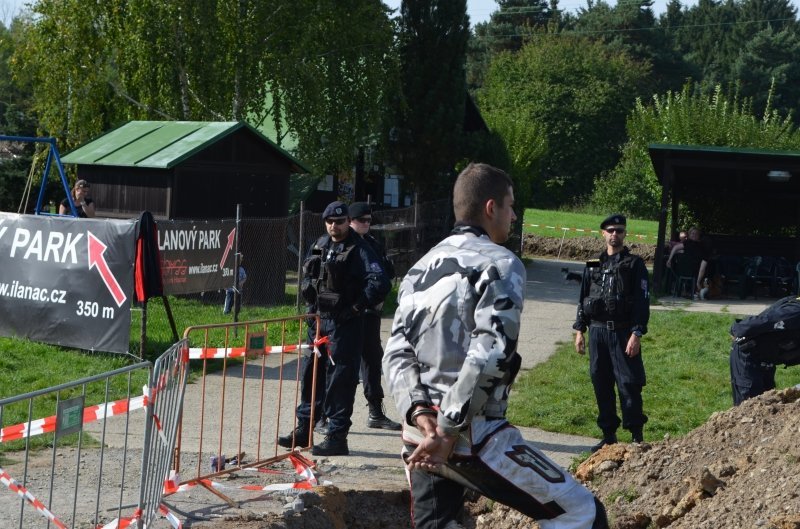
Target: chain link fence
(272,249)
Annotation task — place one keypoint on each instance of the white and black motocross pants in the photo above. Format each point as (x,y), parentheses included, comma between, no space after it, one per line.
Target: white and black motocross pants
(493,459)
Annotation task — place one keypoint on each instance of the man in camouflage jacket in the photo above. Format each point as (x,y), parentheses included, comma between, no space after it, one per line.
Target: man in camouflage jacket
(450,362)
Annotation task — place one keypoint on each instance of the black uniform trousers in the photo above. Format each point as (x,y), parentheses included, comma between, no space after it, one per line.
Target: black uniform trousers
(337,374)
(748,377)
(608,364)
(372,357)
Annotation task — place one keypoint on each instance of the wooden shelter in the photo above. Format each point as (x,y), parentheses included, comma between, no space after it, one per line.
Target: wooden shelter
(747,200)
(186,170)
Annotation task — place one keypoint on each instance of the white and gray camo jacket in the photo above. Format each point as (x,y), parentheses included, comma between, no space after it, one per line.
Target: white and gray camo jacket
(454,336)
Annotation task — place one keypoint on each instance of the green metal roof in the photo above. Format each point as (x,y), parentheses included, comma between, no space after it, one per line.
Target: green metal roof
(161,144)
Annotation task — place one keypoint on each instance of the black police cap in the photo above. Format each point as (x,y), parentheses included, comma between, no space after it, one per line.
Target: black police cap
(359,209)
(336,209)
(616,218)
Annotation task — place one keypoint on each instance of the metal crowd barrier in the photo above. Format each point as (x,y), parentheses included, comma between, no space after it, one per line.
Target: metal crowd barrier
(101,465)
(49,463)
(249,388)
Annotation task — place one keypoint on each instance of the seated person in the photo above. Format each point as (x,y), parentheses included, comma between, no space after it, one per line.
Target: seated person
(677,238)
(695,247)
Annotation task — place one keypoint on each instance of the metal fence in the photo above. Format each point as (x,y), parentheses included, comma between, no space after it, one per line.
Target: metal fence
(53,474)
(247,392)
(67,464)
(272,249)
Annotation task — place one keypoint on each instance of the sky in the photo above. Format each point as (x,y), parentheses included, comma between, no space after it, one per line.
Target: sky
(479,10)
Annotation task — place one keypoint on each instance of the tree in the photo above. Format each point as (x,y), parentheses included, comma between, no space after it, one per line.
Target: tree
(16,119)
(694,116)
(61,57)
(323,66)
(631,27)
(770,59)
(579,92)
(430,114)
(506,30)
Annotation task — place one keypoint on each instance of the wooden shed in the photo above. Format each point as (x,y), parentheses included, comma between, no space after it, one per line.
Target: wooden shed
(186,170)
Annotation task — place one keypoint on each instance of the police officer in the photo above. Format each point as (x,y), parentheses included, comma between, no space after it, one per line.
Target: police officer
(614,305)
(750,377)
(341,278)
(372,355)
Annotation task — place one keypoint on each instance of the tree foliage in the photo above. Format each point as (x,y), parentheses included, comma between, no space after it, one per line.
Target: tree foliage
(577,92)
(428,129)
(693,116)
(321,67)
(631,27)
(506,30)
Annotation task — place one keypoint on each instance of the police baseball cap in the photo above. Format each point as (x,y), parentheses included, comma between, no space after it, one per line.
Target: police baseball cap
(616,218)
(336,209)
(359,209)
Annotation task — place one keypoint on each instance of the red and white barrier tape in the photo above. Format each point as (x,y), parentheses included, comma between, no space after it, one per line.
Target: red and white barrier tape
(301,465)
(580,230)
(21,491)
(124,523)
(90,414)
(208,353)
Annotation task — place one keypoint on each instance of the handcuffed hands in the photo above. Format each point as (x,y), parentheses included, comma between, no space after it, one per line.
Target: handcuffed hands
(432,452)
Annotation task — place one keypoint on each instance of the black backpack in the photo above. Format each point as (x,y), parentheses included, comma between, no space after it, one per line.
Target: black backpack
(773,336)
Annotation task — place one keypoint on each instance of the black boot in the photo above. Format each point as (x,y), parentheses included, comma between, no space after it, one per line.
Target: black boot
(608,439)
(297,437)
(636,435)
(377,417)
(333,445)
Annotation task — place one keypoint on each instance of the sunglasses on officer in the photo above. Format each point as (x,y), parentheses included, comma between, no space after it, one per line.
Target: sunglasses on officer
(336,220)
(363,220)
(615,230)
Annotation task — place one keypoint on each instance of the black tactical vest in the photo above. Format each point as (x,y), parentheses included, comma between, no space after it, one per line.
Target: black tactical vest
(611,289)
(326,271)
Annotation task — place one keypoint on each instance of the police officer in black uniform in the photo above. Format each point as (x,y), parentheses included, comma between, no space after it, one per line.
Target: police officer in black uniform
(342,276)
(750,377)
(372,355)
(614,305)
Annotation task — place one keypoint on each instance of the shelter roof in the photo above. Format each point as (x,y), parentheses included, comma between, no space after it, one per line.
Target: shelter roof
(710,162)
(162,144)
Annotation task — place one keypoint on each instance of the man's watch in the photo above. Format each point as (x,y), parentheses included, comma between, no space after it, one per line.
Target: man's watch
(637,333)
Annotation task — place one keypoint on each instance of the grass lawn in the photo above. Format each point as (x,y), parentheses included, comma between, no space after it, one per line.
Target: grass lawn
(688,379)
(560,223)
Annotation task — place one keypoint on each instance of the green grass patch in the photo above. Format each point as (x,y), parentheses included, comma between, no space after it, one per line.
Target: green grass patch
(551,223)
(628,494)
(688,379)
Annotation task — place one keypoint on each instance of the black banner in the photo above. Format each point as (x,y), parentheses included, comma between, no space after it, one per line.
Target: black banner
(196,256)
(67,281)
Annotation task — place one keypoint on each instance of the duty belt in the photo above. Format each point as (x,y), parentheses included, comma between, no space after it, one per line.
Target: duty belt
(612,325)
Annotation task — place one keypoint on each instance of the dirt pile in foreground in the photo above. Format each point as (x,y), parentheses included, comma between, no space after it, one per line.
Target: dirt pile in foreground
(739,469)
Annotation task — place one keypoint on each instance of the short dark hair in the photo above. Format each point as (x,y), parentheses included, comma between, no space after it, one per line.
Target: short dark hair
(476,184)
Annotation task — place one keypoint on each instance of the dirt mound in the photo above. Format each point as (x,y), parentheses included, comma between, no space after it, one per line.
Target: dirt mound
(579,248)
(740,469)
